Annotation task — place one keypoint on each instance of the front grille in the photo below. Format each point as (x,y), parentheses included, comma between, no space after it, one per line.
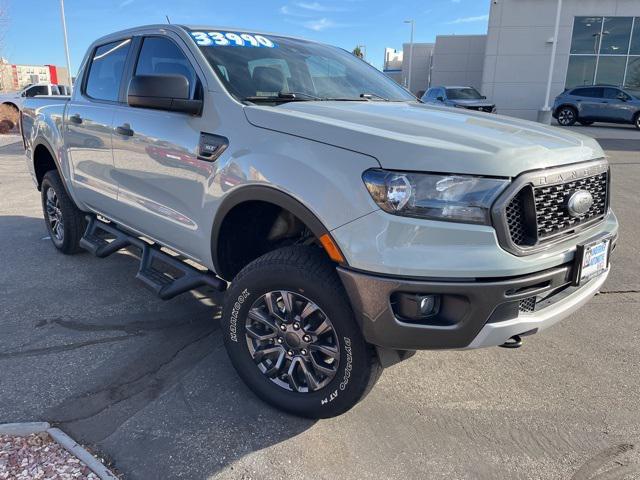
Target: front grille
(481,109)
(551,212)
(538,213)
(516,219)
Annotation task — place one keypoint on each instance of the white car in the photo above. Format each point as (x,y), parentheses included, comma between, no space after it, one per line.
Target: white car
(16,99)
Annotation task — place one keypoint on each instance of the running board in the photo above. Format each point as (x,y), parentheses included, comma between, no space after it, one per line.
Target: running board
(166,286)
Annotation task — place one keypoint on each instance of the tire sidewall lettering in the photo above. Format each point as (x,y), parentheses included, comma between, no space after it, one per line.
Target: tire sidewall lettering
(348,368)
(233,321)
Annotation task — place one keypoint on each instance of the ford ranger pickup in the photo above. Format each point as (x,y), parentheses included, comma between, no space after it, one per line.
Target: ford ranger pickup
(348,223)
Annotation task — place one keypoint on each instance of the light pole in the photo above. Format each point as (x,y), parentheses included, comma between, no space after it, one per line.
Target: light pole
(544,115)
(412,22)
(66,42)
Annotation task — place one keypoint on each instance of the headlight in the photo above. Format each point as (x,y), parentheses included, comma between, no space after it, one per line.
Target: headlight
(457,198)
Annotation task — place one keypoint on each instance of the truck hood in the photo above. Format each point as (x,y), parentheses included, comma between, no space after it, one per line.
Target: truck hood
(418,137)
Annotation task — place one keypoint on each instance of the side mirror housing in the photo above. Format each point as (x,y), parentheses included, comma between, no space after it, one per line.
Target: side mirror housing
(440,98)
(622,96)
(483,97)
(162,92)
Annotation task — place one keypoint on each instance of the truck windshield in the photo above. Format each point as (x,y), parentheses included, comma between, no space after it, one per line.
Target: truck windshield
(272,69)
(463,94)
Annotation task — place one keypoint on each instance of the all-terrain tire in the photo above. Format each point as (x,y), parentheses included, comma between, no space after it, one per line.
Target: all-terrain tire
(306,272)
(57,203)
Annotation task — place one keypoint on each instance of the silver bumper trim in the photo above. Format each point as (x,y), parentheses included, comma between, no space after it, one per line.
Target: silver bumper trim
(493,334)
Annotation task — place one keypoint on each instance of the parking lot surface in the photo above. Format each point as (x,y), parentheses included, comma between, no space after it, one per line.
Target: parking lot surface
(148,384)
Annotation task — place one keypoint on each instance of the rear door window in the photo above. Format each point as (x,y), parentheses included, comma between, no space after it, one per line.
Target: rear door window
(105,71)
(592,92)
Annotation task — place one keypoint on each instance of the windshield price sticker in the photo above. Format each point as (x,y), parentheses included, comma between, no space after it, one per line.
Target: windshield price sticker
(231,39)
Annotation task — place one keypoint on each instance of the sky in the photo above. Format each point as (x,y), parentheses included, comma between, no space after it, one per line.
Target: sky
(33,33)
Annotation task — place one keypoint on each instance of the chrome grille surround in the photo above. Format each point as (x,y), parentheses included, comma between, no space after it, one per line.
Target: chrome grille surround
(533,205)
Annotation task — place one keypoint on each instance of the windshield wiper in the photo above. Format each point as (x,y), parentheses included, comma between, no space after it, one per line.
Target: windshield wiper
(369,96)
(284,97)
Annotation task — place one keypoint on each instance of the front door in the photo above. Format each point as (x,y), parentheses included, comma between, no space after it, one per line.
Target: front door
(615,106)
(88,121)
(161,180)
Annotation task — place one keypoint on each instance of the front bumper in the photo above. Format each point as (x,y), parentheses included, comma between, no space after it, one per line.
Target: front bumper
(473,314)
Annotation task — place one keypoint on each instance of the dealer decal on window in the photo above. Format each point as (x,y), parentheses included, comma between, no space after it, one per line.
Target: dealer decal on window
(231,39)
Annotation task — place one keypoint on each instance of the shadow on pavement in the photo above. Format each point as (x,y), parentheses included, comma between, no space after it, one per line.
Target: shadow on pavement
(145,382)
(619,145)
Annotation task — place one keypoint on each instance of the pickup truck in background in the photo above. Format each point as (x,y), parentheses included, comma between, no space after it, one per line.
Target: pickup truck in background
(16,100)
(349,223)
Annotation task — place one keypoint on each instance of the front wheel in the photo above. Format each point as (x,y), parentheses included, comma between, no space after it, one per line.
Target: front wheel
(567,116)
(292,336)
(636,121)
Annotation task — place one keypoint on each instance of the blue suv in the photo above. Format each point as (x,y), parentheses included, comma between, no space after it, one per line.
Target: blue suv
(597,104)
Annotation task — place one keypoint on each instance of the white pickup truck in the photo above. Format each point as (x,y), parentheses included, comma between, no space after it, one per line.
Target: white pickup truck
(349,223)
(16,100)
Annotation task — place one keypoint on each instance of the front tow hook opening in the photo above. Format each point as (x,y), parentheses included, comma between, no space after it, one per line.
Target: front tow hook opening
(513,342)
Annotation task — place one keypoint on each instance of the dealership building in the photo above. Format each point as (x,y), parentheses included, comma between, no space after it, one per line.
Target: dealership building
(598,42)
(15,77)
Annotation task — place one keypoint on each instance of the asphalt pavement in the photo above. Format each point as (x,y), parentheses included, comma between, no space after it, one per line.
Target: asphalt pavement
(148,384)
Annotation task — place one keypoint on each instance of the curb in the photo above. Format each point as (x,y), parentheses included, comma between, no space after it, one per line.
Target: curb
(29,428)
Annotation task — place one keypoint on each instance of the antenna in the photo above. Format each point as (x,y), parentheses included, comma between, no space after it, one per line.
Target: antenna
(168,21)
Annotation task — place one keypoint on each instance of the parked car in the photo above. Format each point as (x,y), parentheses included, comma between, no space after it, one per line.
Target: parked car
(587,105)
(15,100)
(349,224)
(461,97)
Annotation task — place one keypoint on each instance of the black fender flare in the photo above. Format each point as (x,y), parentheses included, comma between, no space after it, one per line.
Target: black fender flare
(41,142)
(266,194)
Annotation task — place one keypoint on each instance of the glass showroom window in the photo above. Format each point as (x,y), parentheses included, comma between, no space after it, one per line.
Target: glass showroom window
(604,50)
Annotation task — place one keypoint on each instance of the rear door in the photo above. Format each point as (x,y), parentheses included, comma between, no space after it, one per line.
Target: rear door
(161,180)
(589,102)
(88,122)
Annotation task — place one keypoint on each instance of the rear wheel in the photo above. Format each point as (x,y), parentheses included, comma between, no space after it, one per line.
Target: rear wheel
(64,221)
(292,336)
(567,116)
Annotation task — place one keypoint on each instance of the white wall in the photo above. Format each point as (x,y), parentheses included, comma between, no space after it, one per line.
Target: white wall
(420,65)
(518,50)
(458,60)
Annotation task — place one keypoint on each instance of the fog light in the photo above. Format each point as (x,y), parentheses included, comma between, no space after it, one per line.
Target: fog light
(415,306)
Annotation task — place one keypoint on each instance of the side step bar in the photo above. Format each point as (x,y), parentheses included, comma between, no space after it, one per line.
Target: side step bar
(164,285)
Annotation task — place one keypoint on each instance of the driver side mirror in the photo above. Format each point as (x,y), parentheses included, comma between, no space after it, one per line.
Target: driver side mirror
(162,92)
(440,98)
(622,96)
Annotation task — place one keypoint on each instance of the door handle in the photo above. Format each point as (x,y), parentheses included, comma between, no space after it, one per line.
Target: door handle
(124,130)
(77,119)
